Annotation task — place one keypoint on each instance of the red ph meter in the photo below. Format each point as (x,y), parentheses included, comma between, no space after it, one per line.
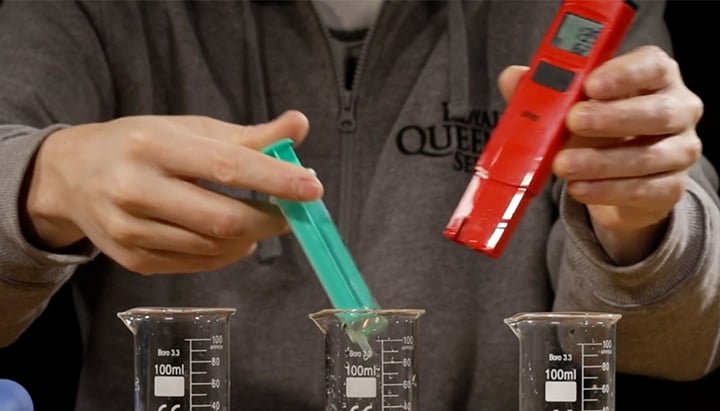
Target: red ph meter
(517,160)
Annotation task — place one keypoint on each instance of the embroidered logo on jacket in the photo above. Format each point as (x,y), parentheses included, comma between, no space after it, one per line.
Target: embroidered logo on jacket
(461,139)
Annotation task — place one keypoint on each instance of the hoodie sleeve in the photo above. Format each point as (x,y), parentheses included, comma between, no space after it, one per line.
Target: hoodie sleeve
(670,301)
(52,72)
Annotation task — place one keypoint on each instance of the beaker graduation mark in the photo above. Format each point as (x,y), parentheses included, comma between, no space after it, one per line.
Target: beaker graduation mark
(393,367)
(200,366)
(595,361)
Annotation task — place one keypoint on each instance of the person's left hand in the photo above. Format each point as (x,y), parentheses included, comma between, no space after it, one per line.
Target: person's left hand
(632,144)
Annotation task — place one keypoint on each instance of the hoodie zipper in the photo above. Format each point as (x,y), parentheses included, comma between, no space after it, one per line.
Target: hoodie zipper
(347,124)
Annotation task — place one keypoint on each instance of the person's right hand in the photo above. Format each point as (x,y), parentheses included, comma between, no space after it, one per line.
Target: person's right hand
(131,187)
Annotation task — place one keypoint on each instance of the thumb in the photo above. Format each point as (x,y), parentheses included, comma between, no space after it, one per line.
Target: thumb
(291,124)
(509,79)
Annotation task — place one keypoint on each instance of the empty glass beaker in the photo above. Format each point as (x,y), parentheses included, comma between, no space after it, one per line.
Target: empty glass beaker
(181,357)
(370,361)
(567,360)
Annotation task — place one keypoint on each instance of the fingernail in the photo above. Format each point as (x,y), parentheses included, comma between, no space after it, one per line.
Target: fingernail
(308,188)
(578,188)
(595,84)
(603,87)
(564,165)
(582,118)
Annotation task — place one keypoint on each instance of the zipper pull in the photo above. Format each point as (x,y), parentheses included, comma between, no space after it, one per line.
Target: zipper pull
(346,123)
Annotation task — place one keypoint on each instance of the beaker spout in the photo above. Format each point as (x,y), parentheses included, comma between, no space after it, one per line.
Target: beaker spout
(130,319)
(514,324)
(358,324)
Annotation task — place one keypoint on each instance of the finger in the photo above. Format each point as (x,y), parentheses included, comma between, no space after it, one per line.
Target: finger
(642,156)
(654,114)
(192,156)
(291,124)
(149,262)
(200,210)
(658,192)
(645,69)
(509,79)
(160,236)
(142,233)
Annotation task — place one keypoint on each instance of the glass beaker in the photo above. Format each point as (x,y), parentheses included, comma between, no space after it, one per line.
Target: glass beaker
(181,357)
(567,360)
(370,361)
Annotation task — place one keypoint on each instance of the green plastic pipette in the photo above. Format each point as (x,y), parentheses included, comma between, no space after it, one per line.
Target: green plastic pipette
(320,240)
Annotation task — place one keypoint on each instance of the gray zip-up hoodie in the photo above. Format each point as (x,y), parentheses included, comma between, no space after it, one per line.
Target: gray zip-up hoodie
(395,155)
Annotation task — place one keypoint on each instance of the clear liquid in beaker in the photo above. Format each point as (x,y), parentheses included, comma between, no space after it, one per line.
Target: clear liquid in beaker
(567,360)
(379,373)
(181,357)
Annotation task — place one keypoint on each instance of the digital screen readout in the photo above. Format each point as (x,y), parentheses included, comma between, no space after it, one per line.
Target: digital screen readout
(577,34)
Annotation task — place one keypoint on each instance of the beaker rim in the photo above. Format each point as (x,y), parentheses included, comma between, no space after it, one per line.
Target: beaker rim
(563,315)
(404,312)
(179,311)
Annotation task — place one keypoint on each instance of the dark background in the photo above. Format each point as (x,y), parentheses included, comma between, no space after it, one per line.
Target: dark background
(693,25)
(47,358)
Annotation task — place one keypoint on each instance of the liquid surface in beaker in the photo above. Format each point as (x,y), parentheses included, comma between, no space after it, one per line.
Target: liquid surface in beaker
(181,357)
(381,376)
(567,360)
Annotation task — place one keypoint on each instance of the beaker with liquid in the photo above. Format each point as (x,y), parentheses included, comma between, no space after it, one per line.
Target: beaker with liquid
(182,357)
(567,360)
(370,359)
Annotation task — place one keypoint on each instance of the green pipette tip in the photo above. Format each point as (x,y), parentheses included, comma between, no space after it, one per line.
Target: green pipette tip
(321,241)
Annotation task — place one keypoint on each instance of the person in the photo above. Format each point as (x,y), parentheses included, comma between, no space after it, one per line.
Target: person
(131,170)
